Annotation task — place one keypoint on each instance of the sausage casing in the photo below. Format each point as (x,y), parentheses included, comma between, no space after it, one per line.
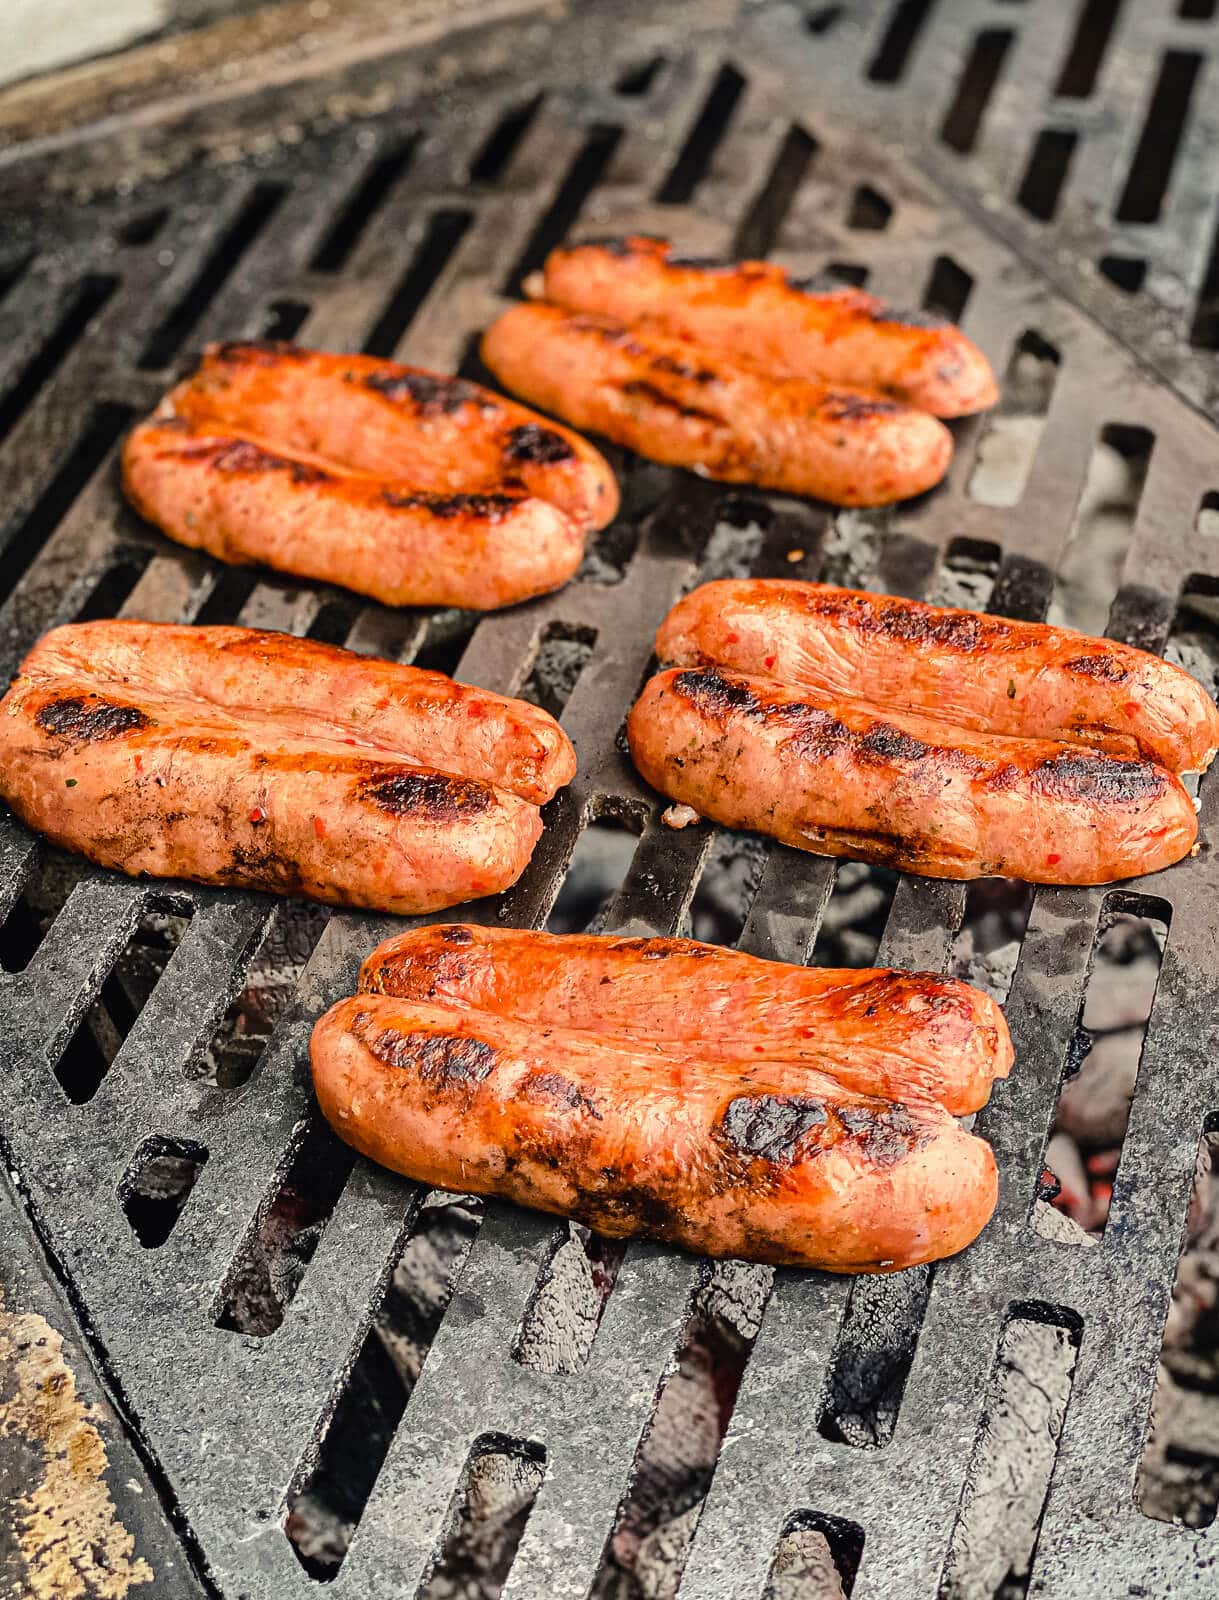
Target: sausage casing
(760,1160)
(689,406)
(839,777)
(757,311)
(897,1035)
(961,667)
(351,698)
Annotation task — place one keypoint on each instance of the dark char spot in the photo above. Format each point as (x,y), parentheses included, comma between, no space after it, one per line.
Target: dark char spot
(493,507)
(242,456)
(1106,667)
(457,933)
(440,1058)
(430,796)
(884,742)
(771,1125)
(847,407)
(682,369)
(432,393)
(886,1136)
(1082,776)
(658,397)
(541,445)
(554,1086)
(88,720)
(715,696)
(912,622)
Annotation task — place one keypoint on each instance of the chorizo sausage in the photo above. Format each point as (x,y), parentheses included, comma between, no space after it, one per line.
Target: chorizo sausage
(755,310)
(967,668)
(897,1035)
(762,1160)
(840,777)
(688,406)
(357,699)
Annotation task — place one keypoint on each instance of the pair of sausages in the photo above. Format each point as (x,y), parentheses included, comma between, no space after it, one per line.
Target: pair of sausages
(672,1089)
(409,487)
(740,373)
(249,759)
(1019,749)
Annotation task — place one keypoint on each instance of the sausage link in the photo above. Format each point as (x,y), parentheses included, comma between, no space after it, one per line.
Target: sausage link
(839,777)
(337,694)
(688,406)
(758,1160)
(441,435)
(896,1035)
(245,502)
(152,785)
(961,667)
(757,311)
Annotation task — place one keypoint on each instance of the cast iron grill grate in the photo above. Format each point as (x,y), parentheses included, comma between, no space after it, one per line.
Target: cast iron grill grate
(520,1406)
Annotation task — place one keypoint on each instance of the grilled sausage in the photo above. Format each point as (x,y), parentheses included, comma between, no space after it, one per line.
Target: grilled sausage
(757,311)
(977,671)
(150,784)
(839,777)
(355,699)
(411,488)
(759,1159)
(897,1035)
(687,406)
(243,502)
(439,434)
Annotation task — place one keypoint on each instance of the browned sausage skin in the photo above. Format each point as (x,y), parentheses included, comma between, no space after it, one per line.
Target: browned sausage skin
(442,434)
(180,753)
(688,406)
(759,1160)
(758,312)
(898,1035)
(839,777)
(961,667)
(402,485)
(359,700)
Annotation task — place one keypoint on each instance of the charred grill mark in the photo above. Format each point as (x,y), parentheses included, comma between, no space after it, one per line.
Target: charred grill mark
(242,456)
(928,320)
(883,742)
(716,696)
(490,507)
(443,1058)
(771,1126)
(682,369)
(612,333)
(553,1086)
(432,394)
(912,623)
(815,734)
(82,719)
(457,933)
(658,397)
(858,407)
(542,446)
(1105,667)
(428,796)
(1103,779)
(886,1135)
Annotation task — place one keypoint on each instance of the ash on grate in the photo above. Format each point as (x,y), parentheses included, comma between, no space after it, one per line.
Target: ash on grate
(651,1541)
